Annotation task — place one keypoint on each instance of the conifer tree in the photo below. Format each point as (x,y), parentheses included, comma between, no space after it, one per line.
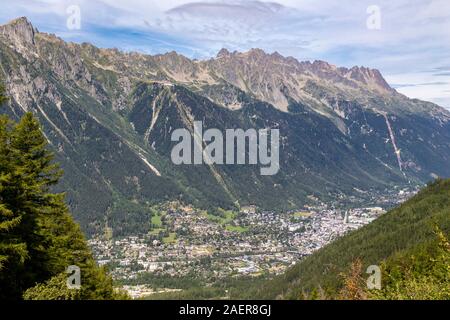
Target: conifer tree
(2,94)
(13,251)
(38,237)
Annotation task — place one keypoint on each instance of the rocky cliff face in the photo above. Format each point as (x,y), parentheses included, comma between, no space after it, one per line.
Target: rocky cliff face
(109,115)
(20,33)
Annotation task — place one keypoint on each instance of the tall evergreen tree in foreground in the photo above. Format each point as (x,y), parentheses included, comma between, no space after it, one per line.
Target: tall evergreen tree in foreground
(38,238)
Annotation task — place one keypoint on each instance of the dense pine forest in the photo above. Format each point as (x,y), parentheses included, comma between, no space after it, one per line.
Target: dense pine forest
(38,237)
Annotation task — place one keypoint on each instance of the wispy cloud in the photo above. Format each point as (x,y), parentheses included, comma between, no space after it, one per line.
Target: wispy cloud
(411,48)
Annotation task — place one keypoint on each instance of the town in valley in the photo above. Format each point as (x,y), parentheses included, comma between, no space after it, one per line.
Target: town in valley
(186,242)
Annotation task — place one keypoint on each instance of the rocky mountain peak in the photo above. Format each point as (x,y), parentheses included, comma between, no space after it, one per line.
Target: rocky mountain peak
(322,65)
(277,79)
(370,77)
(252,54)
(223,53)
(19,31)
(256,52)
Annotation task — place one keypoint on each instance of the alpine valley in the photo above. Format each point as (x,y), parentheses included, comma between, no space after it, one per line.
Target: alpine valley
(109,115)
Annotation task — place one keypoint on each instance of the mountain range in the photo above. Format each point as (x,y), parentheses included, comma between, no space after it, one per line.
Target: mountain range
(109,116)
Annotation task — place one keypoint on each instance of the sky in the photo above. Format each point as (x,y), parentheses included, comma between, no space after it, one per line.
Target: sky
(407,40)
